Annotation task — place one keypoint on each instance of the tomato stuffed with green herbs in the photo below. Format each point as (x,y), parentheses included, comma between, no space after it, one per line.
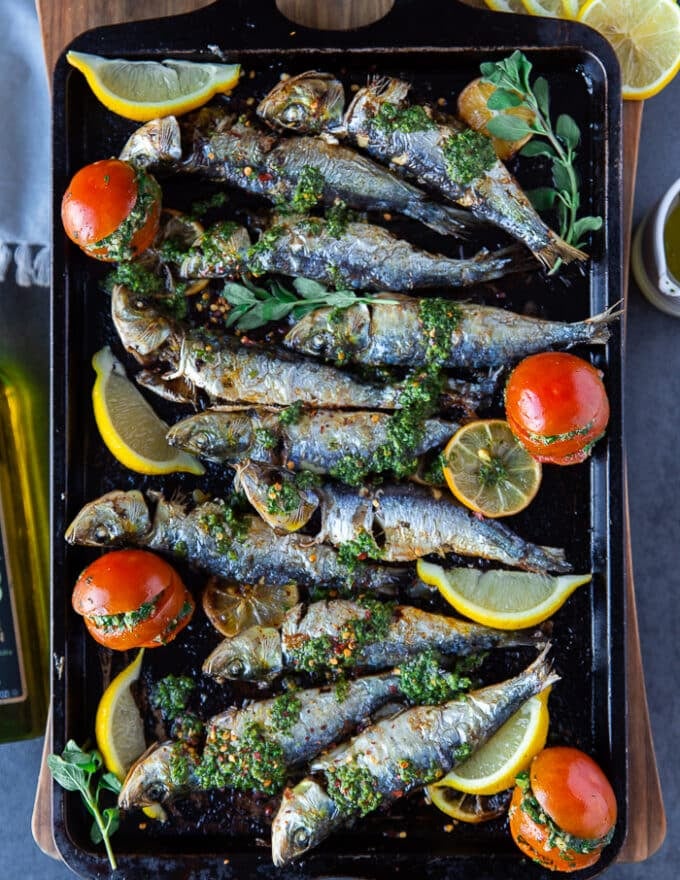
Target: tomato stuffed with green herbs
(132,599)
(557,406)
(563,810)
(111,210)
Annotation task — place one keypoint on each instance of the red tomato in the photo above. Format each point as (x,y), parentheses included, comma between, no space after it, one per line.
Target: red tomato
(132,599)
(573,791)
(557,406)
(99,200)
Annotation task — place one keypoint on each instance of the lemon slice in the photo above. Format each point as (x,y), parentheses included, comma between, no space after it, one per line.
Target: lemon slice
(493,767)
(547,8)
(232,607)
(470,808)
(488,469)
(505,5)
(118,726)
(502,599)
(129,427)
(645,36)
(144,90)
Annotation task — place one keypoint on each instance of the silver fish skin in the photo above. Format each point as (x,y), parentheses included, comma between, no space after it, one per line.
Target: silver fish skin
(361,256)
(393,335)
(227,371)
(255,161)
(414,521)
(419,154)
(323,719)
(262,653)
(205,537)
(429,738)
(317,441)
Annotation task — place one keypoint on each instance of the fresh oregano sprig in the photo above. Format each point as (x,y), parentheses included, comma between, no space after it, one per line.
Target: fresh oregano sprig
(78,770)
(513,89)
(253,306)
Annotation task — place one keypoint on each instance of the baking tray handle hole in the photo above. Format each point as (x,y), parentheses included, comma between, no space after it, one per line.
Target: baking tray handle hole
(356,14)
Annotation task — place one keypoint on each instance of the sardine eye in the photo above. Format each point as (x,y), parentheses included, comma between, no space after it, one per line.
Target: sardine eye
(317,343)
(294,113)
(202,440)
(155,791)
(101,534)
(236,668)
(301,837)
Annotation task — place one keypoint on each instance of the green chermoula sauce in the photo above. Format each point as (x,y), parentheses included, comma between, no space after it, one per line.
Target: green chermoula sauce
(119,243)
(250,762)
(468,156)
(308,190)
(127,620)
(256,252)
(188,728)
(423,683)
(439,318)
(362,547)
(353,789)
(335,654)
(283,497)
(171,695)
(391,118)
(292,414)
(285,712)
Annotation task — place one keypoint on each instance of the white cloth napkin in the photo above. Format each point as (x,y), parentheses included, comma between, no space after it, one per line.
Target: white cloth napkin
(25,139)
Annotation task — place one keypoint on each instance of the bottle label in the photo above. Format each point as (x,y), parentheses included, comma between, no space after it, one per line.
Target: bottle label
(12,683)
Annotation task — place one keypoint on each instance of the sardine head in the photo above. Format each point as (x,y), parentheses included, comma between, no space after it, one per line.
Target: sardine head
(324,333)
(149,780)
(254,655)
(309,103)
(116,518)
(215,435)
(276,495)
(305,818)
(155,143)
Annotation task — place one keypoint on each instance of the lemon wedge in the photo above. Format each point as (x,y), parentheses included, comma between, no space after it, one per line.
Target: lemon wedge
(488,469)
(493,767)
(645,36)
(232,607)
(119,728)
(552,8)
(470,808)
(502,599)
(505,5)
(129,427)
(118,725)
(144,90)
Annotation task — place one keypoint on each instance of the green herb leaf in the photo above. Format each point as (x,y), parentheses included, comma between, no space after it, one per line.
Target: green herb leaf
(309,289)
(560,175)
(542,95)
(537,148)
(238,294)
(502,99)
(542,198)
(68,775)
(508,128)
(586,224)
(568,131)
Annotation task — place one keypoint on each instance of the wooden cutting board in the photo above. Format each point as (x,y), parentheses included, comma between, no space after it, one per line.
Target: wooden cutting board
(61,22)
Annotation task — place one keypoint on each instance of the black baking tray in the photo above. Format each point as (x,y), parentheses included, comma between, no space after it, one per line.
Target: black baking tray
(438,45)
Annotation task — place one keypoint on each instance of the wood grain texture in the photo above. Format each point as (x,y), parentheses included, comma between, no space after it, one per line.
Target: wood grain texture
(61,21)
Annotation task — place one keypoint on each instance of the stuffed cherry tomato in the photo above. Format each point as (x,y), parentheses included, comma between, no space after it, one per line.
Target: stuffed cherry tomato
(557,406)
(111,210)
(132,599)
(563,810)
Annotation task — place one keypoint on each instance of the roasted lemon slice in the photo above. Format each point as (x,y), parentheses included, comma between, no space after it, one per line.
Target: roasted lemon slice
(488,469)
(232,607)
(470,808)
(502,599)
(144,90)
(493,767)
(129,427)
(118,725)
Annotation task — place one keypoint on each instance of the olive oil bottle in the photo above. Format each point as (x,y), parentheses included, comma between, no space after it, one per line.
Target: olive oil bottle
(24,617)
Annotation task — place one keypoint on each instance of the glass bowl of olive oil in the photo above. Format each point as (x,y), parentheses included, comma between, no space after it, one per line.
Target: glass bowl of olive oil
(655,254)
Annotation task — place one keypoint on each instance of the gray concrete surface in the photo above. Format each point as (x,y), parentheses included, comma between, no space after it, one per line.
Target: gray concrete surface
(652,429)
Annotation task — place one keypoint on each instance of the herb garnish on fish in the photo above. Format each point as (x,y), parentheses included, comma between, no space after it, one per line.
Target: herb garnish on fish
(513,89)
(254,306)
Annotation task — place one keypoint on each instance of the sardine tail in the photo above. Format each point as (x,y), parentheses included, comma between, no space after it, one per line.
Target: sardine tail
(543,670)
(558,249)
(546,559)
(598,325)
